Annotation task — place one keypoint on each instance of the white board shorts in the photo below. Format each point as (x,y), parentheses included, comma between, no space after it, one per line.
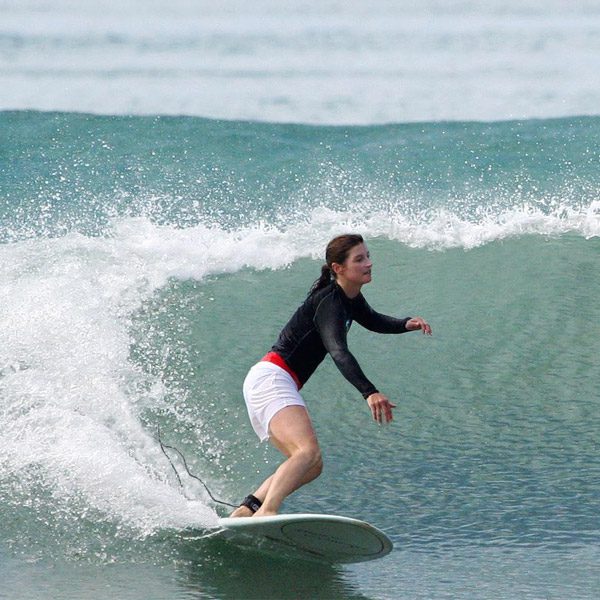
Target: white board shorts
(267,389)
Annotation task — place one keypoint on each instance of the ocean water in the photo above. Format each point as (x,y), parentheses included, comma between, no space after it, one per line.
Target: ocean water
(169,178)
(326,62)
(147,262)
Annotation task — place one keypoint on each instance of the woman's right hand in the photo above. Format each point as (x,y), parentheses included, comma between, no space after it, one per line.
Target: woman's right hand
(381,407)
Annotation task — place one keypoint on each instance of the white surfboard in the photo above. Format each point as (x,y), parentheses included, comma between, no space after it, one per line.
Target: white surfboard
(325,537)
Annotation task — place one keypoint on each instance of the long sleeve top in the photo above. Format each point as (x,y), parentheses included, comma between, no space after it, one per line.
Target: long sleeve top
(320,326)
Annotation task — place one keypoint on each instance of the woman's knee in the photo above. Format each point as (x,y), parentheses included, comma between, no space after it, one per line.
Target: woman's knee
(314,459)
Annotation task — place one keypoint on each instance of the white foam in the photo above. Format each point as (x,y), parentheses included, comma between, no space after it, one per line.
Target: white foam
(442,229)
(67,380)
(446,230)
(71,397)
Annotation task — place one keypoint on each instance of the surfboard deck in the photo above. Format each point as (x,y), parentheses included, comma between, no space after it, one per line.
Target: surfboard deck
(329,538)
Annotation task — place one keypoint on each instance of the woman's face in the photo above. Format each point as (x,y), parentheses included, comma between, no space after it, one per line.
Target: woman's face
(356,269)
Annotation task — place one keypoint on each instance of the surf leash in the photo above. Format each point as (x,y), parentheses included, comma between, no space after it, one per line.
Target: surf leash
(164,449)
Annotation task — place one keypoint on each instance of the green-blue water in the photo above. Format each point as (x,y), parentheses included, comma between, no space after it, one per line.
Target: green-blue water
(147,263)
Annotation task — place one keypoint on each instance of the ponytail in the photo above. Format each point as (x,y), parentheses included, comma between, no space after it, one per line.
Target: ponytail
(323,281)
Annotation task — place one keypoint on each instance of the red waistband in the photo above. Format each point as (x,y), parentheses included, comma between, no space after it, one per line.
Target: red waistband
(274,358)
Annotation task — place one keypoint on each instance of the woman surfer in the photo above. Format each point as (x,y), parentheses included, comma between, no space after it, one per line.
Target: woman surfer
(318,327)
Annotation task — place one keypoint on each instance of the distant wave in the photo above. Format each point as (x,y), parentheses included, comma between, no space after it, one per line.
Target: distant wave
(383,63)
(429,185)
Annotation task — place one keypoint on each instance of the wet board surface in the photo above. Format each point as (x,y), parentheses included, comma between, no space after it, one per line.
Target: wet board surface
(330,538)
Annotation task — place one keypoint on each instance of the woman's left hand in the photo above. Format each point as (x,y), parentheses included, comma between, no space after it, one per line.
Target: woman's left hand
(381,407)
(418,323)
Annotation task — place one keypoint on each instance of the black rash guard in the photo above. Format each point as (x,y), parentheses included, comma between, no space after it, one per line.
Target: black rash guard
(320,325)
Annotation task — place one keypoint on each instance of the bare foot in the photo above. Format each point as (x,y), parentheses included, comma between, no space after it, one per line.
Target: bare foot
(241,511)
(264,513)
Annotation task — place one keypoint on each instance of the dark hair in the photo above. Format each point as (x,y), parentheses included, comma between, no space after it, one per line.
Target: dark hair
(337,252)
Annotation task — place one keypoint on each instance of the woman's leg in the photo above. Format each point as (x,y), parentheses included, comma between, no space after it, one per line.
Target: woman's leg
(292,433)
